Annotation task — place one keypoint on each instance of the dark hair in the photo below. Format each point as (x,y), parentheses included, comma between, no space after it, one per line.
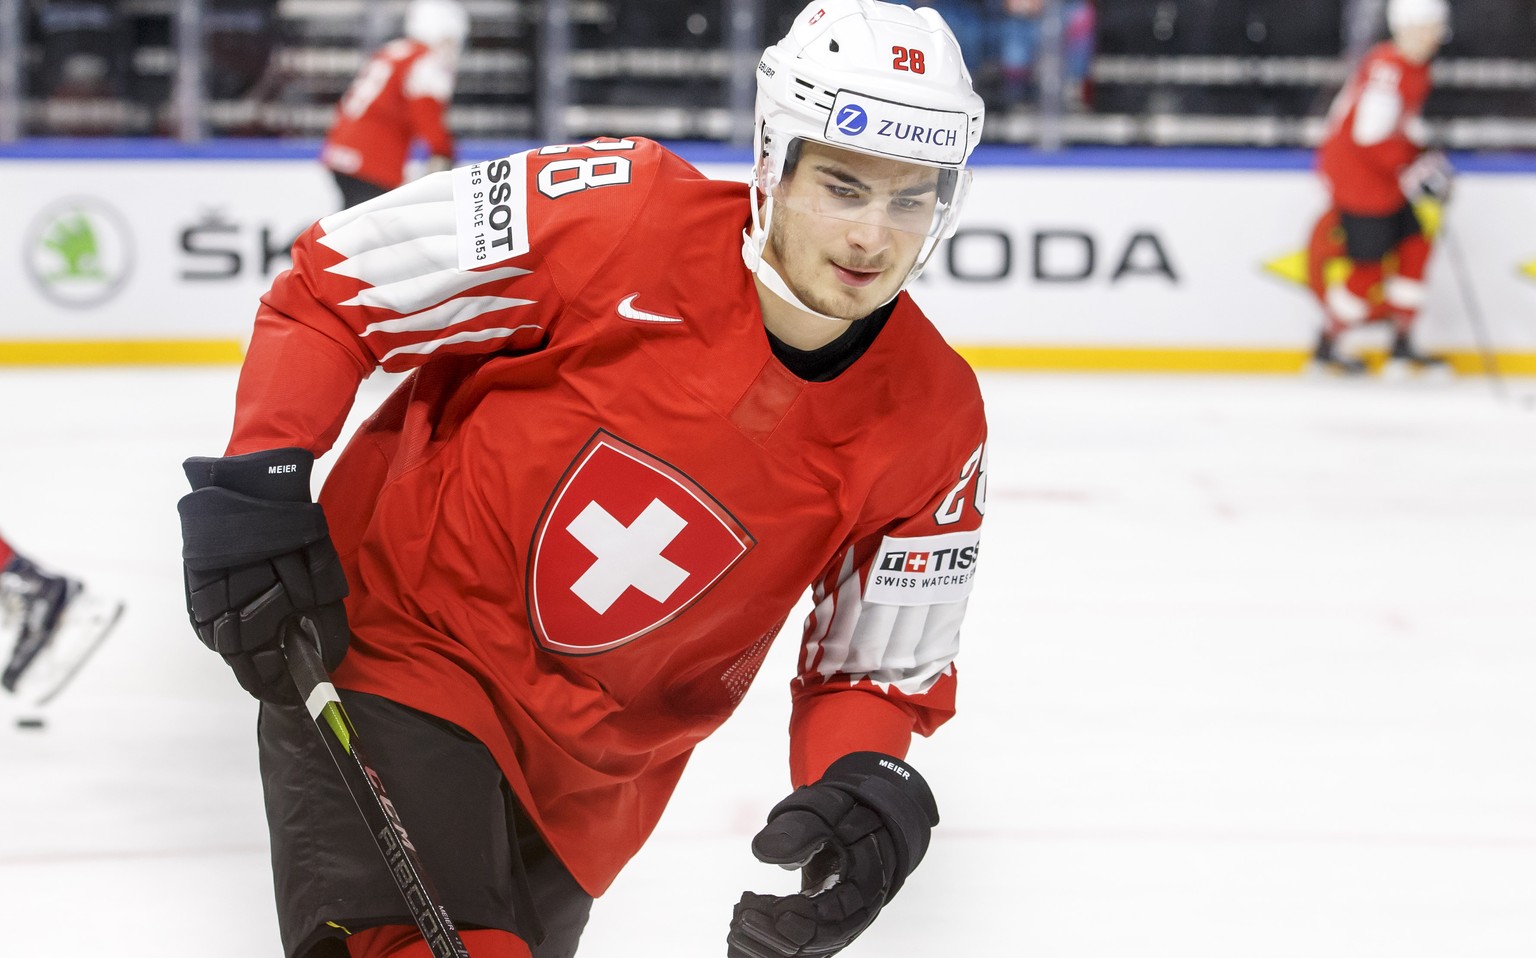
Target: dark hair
(791,156)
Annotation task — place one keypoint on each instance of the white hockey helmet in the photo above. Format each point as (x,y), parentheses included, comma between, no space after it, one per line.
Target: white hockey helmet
(1413,13)
(881,79)
(437,22)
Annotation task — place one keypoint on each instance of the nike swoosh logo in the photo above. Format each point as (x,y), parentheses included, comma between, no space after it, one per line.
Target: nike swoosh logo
(628,310)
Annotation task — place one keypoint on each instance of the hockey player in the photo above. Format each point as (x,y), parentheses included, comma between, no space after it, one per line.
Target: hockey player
(53,622)
(648,411)
(398,97)
(1374,165)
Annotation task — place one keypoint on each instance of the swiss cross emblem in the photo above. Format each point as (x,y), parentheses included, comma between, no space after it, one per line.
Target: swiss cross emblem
(917,562)
(626,543)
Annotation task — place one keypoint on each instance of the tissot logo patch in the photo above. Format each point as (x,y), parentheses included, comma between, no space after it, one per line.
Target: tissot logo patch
(924,569)
(490,210)
(626,543)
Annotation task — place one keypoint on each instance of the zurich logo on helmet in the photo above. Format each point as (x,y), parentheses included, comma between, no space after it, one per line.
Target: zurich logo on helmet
(852,120)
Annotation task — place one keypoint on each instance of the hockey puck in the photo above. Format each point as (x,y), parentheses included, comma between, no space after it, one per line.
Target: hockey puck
(30,723)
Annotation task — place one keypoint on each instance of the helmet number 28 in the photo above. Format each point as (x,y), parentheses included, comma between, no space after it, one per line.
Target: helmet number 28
(907,59)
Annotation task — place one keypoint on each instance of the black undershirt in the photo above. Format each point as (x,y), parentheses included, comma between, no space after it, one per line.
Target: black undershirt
(825,363)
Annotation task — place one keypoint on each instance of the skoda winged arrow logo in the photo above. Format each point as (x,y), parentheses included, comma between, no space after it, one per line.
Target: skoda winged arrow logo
(79,252)
(851,120)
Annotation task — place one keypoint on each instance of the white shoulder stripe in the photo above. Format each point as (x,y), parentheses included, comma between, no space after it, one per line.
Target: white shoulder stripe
(402,247)
(444,315)
(472,336)
(390,228)
(436,188)
(383,264)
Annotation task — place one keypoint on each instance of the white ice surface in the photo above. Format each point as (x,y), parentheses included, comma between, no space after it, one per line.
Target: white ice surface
(1250,672)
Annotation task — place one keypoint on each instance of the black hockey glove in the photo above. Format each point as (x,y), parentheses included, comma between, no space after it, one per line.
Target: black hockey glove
(257,552)
(856,834)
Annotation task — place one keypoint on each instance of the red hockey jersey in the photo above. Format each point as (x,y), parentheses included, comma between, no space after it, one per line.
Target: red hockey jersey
(398,97)
(1370,138)
(576,527)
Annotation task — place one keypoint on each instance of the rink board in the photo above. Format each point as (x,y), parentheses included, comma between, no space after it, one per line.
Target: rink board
(124,252)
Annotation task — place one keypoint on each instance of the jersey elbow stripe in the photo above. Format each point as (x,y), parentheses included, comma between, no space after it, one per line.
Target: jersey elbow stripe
(433,313)
(845,608)
(906,646)
(420,292)
(455,312)
(909,682)
(470,336)
(940,639)
(824,612)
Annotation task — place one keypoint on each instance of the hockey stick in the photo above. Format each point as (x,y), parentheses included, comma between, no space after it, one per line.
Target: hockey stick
(1473,311)
(301,648)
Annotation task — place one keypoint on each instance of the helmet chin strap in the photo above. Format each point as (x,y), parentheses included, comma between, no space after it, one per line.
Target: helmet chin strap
(752,243)
(752,255)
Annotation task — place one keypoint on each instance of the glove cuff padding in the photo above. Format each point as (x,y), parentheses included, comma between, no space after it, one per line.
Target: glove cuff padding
(248,508)
(280,474)
(221,528)
(889,787)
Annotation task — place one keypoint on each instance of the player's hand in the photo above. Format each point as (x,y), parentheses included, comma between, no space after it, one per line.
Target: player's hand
(856,834)
(257,552)
(1430,175)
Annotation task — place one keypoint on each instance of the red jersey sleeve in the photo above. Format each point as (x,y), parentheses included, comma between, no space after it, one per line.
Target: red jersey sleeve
(468,262)
(877,657)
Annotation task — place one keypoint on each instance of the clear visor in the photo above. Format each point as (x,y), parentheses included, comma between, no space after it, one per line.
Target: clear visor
(877,191)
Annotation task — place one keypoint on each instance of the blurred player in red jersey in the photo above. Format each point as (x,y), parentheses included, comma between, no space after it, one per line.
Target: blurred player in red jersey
(54,624)
(1375,165)
(400,96)
(647,411)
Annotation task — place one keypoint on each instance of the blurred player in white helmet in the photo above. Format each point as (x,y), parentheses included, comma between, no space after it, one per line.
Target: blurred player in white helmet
(400,96)
(1375,165)
(649,411)
(51,623)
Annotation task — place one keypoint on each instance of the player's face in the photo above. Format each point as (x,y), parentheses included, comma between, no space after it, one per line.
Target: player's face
(847,228)
(1420,42)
